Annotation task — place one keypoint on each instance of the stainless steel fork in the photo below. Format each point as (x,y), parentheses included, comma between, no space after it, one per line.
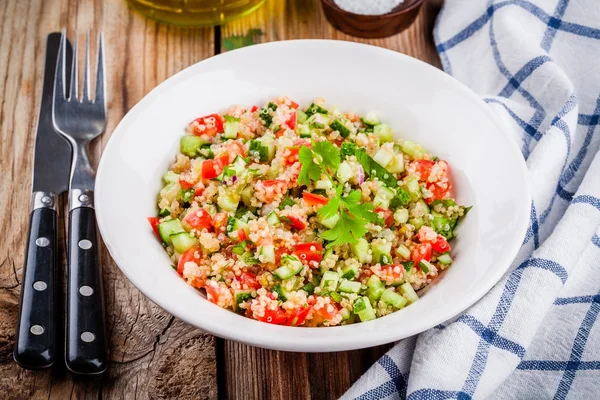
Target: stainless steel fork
(80,121)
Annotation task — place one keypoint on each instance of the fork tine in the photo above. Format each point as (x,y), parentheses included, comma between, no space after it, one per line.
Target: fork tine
(74,78)
(59,78)
(99,99)
(86,71)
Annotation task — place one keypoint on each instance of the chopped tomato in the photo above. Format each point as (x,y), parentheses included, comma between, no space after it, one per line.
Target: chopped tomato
(154,221)
(423,168)
(235,148)
(212,292)
(242,235)
(220,220)
(297,223)
(271,182)
(199,192)
(223,160)
(277,317)
(298,316)
(291,121)
(279,252)
(312,199)
(293,104)
(209,125)
(249,280)
(326,312)
(280,132)
(388,216)
(185,185)
(439,192)
(291,156)
(253,109)
(309,251)
(187,256)
(421,252)
(440,245)
(210,169)
(199,219)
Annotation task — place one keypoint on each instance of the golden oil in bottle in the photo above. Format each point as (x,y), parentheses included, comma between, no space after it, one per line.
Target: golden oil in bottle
(195,12)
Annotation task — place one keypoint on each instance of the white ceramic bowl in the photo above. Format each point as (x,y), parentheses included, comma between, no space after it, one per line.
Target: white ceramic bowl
(417,100)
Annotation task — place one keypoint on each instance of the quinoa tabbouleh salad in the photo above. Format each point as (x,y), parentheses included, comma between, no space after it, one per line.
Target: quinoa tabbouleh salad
(312,217)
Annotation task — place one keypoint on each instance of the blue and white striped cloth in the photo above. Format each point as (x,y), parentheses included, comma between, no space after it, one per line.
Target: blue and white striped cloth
(536,334)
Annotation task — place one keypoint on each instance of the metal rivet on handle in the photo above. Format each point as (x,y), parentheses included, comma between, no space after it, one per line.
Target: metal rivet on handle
(37,329)
(42,242)
(88,337)
(86,290)
(85,244)
(40,286)
(47,201)
(84,198)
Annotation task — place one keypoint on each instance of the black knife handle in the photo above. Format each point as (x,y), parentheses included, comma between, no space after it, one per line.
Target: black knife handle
(86,350)
(35,345)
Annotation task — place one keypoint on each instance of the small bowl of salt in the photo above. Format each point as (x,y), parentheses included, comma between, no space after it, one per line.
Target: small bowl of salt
(371,18)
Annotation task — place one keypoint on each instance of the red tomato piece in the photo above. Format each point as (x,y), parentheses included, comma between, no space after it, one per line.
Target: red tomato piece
(279,252)
(277,317)
(326,312)
(291,156)
(421,252)
(209,125)
(297,223)
(309,251)
(185,185)
(199,192)
(312,199)
(293,104)
(271,182)
(220,220)
(280,132)
(248,279)
(212,293)
(199,219)
(423,168)
(210,169)
(438,192)
(388,216)
(298,316)
(291,121)
(235,148)
(188,255)
(253,109)
(440,245)
(154,221)
(223,160)
(242,235)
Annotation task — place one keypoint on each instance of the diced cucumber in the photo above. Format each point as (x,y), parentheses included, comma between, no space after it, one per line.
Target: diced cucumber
(318,121)
(267,253)
(417,222)
(170,177)
(234,225)
(183,241)
(273,219)
(187,195)
(301,116)
(228,201)
(266,117)
(401,216)
(231,126)
(328,222)
(168,228)
(246,195)
(339,126)
(383,157)
(348,149)
(292,262)
(349,286)
(412,185)
(370,119)
(396,165)
(329,281)
(413,150)
(350,271)
(280,294)
(393,299)
(171,192)
(303,130)
(361,251)
(240,297)
(407,291)
(382,250)
(323,184)
(283,272)
(344,172)
(403,251)
(191,145)
(164,212)
(445,259)
(421,209)
(335,296)
(345,314)
(363,308)
(308,288)
(383,198)
(263,150)
(238,165)
(315,109)
(384,132)
(375,287)
(425,266)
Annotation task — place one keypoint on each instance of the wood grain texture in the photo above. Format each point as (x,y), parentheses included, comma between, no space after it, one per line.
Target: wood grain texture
(253,373)
(147,344)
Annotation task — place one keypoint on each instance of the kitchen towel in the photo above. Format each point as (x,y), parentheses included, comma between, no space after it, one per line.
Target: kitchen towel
(536,334)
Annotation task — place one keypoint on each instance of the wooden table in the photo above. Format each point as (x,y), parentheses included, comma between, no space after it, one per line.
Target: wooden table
(153,355)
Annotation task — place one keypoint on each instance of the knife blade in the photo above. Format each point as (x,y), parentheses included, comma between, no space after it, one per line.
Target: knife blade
(35,344)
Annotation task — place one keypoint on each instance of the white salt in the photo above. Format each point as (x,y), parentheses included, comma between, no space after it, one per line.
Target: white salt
(368,7)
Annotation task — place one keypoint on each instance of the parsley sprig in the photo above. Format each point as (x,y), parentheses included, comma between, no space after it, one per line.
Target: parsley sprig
(324,159)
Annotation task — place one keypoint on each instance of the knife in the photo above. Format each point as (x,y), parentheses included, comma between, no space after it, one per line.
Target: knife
(36,344)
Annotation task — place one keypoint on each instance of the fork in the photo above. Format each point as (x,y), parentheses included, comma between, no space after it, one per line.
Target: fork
(80,121)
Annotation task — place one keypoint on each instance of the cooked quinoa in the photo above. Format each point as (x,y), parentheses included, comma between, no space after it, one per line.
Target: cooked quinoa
(305,217)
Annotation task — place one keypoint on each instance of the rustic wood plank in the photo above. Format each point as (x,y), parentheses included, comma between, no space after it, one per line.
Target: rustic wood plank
(152,354)
(272,374)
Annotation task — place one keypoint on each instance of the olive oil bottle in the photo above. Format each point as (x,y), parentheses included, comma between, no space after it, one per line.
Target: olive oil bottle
(194,12)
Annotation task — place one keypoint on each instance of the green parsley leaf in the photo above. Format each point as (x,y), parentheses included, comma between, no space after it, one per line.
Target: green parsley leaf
(310,169)
(329,154)
(330,209)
